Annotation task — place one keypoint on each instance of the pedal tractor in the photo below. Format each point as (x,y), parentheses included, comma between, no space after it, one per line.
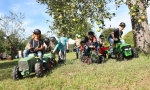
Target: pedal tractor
(122,51)
(31,64)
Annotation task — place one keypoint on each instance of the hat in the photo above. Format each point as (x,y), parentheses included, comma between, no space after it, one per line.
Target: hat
(37,31)
(77,35)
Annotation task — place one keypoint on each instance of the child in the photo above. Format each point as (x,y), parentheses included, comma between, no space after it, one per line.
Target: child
(115,36)
(46,45)
(58,47)
(101,43)
(36,45)
(95,43)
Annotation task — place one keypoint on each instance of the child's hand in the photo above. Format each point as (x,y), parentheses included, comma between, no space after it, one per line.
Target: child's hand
(115,39)
(36,49)
(52,51)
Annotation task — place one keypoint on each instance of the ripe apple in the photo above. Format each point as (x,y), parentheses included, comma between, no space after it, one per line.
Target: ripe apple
(60,17)
(74,19)
(143,17)
(79,36)
(132,8)
(99,6)
(133,14)
(98,23)
(90,4)
(98,29)
(139,21)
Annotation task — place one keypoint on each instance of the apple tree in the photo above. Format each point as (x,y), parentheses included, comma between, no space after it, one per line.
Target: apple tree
(70,14)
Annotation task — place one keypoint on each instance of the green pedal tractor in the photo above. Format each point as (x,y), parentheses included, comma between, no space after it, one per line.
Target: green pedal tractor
(122,51)
(31,64)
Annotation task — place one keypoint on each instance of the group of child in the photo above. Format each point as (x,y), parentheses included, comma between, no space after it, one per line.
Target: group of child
(90,41)
(39,46)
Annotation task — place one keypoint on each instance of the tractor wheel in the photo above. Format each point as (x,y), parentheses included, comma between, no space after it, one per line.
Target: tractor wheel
(135,53)
(16,74)
(48,66)
(102,59)
(119,56)
(38,70)
(89,61)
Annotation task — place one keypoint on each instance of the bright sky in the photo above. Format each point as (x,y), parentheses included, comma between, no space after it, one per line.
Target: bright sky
(35,16)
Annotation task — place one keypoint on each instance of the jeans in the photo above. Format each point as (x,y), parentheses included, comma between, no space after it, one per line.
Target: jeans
(38,53)
(78,49)
(111,41)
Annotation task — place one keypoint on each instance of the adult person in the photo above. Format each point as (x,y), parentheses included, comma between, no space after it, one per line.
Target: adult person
(64,40)
(78,46)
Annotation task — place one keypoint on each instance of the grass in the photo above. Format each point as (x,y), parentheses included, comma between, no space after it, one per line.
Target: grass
(131,74)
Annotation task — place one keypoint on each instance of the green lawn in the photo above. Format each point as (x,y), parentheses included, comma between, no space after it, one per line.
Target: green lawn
(132,74)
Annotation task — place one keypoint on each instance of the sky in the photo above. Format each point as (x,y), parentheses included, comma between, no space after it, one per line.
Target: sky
(35,16)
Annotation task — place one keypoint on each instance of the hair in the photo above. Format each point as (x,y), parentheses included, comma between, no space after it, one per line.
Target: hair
(40,36)
(82,42)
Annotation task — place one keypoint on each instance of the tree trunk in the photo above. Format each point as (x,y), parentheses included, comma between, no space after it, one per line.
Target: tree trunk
(141,33)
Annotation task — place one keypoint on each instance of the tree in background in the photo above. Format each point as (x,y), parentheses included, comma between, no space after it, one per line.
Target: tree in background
(67,13)
(11,25)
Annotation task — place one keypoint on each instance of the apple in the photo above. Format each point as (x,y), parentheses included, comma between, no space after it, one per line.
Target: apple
(58,32)
(143,17)
(83,12)
(74,19)
(79,36)
(132,8)
(90,4)
(139,21)
(99,6)
(133,14)
(72,6)
(98,23)
(98,29)
(60,17)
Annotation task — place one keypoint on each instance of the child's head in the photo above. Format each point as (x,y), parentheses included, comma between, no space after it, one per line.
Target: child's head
(90,34)
(94,39)
(83,43)
(101,37)
(77,36)
(46,41)
(122,25)
(53,39)
(37,34)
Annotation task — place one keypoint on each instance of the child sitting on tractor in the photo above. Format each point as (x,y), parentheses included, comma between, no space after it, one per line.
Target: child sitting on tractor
(35,45)
(115,36)
(95,43)
(101,44)
(57,47)
(46,45)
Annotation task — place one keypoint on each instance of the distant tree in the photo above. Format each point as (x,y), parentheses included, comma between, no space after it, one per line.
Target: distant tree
(14,31)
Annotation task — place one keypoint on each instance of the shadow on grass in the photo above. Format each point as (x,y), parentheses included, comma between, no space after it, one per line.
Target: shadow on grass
(6,65)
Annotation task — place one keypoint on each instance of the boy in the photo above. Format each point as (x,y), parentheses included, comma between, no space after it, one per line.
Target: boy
(35,45)
(115,36)
(58,47)
(46,45)
(101,43)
